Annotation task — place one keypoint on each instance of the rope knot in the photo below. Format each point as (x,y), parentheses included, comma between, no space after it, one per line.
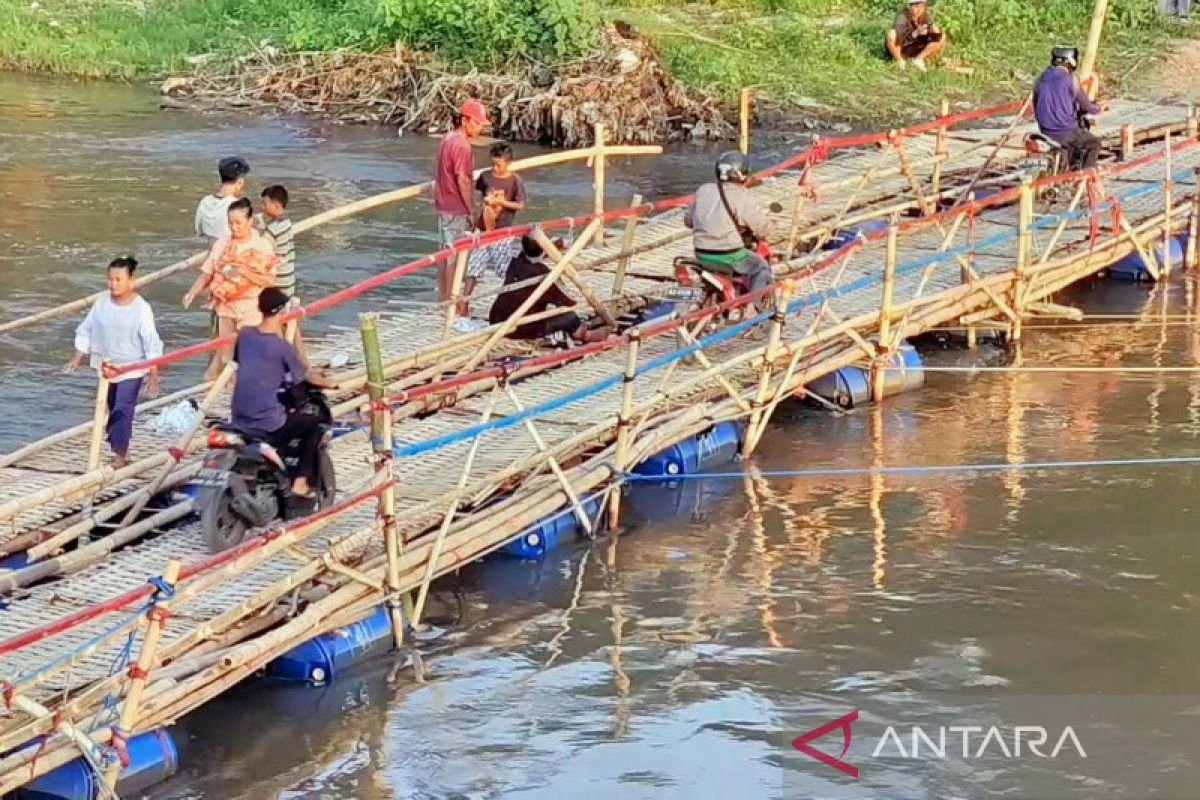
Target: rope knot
(162,589)
(159,614)
(120,744)
(136,673)
(7,691)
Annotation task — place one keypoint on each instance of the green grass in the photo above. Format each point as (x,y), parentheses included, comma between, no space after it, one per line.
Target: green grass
(802,53)
(830,52)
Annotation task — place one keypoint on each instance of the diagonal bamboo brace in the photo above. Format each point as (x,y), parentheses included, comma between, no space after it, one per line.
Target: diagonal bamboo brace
(572,274)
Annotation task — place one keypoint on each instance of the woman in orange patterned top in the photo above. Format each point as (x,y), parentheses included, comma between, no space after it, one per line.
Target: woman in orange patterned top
(238,267)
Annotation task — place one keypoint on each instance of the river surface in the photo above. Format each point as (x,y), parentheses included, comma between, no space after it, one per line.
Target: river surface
(735,613)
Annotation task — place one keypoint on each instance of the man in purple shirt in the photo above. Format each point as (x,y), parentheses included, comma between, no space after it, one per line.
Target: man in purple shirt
(266,363)
(1059,103)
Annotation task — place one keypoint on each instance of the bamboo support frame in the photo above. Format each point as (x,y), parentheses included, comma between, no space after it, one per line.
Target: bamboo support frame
(624,422)
(939,151)
(456,284)
(758,421)
(572,274)
(156,618)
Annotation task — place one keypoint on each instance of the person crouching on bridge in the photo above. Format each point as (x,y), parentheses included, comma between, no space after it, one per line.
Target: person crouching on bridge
(119,329)
(238,267)
(727,223)
(528,268)
(913,36)
(1060,105)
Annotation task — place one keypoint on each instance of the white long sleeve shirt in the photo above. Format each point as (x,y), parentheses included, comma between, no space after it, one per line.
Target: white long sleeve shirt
(119,334)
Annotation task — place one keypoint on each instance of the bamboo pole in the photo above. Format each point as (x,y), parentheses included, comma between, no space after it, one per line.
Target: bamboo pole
(456,283)
(618,286)
(911,176)
(802,195)
(744,96)
(1193,123)
(1193,222)
(511,323)
(1127,144)
(758,422)
(624,422)
(381,441)
(98,418)
(1024,253)
(598,178)
(1088,64)
(572,274)
(879,364)
(156,617)
(939,150)
(436,552)
(184,443)
(1168,204)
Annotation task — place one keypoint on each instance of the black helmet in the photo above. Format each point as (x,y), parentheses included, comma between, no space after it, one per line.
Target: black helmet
(1064,56)
(733,165)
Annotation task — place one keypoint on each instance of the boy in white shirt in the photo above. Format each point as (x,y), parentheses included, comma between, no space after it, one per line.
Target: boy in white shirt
(118,330)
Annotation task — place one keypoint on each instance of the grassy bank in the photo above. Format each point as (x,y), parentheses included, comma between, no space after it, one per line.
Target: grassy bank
(803,53)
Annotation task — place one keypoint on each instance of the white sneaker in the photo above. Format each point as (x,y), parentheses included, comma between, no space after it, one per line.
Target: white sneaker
(919,64)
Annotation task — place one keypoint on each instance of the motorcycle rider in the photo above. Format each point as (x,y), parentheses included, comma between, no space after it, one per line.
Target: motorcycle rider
(266,362)
(1059,104)
(723,217)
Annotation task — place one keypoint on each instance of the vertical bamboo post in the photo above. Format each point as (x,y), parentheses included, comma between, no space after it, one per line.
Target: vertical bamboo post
(802,194)
(965,274)
(758,420)
(1024,252)
(598,179)
(1193,123)
(156,618)
(381,443)
(456,282)
(1099,13)
(98,419)
(939,151)
(744,120)
(625,422)
(885,311)
(626,244)
(1168,206)
(1127,141)
(1193,223)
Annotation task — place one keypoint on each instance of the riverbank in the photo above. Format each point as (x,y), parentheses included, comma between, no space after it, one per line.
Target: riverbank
(675,75)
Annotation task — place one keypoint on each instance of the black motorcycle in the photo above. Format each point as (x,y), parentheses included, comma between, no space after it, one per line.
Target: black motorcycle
(245,482)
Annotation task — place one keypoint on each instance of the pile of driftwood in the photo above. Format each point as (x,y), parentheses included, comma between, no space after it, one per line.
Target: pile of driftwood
(621,84)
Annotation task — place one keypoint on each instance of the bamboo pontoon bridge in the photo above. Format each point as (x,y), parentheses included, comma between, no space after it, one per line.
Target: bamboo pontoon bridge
(451,468)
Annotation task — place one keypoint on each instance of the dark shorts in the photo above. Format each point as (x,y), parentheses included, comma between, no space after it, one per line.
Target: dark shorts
(914,47)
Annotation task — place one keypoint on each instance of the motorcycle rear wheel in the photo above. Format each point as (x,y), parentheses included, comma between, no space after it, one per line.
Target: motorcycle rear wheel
(223,527)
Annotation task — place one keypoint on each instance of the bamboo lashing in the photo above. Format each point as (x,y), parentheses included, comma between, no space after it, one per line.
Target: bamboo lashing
(618,286)
(156,618)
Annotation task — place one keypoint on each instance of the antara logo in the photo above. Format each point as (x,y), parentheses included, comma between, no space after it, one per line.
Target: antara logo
(801,743)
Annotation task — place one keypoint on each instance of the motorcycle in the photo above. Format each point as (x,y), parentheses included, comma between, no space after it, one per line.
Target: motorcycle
(245,483)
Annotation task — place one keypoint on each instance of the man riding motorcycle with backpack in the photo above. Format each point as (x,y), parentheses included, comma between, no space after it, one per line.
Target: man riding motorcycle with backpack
(727,225)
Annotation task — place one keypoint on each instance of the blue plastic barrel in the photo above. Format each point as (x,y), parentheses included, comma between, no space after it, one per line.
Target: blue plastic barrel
(153,758)
(321,658)
(716,446)
(851,386)
(15,561)
(1133,267)
(535,541)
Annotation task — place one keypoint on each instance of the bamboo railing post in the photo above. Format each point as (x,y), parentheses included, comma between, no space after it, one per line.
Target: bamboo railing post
(802,194)
(381,443)
(624,423)
(598,179)
(758,420)
(156,617)
(1168,205)
(183,443)
(626,243)
(939,151)
(456,283)
(99,415)
(1193,223)
(1193,122)
(1099,12)
(1127,144)
(878,366)
(744,96)
(1024,253)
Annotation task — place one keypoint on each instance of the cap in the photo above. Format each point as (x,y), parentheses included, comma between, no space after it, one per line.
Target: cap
(271,301)
(916,2)
(473,110)
(230,169)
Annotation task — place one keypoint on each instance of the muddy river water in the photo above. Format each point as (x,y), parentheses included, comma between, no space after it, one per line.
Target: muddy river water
(736,613)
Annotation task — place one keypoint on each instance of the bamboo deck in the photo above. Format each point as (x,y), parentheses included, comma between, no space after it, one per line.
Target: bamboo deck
(837,314)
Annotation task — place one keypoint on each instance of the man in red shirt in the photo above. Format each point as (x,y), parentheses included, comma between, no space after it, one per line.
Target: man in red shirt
(453,185)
